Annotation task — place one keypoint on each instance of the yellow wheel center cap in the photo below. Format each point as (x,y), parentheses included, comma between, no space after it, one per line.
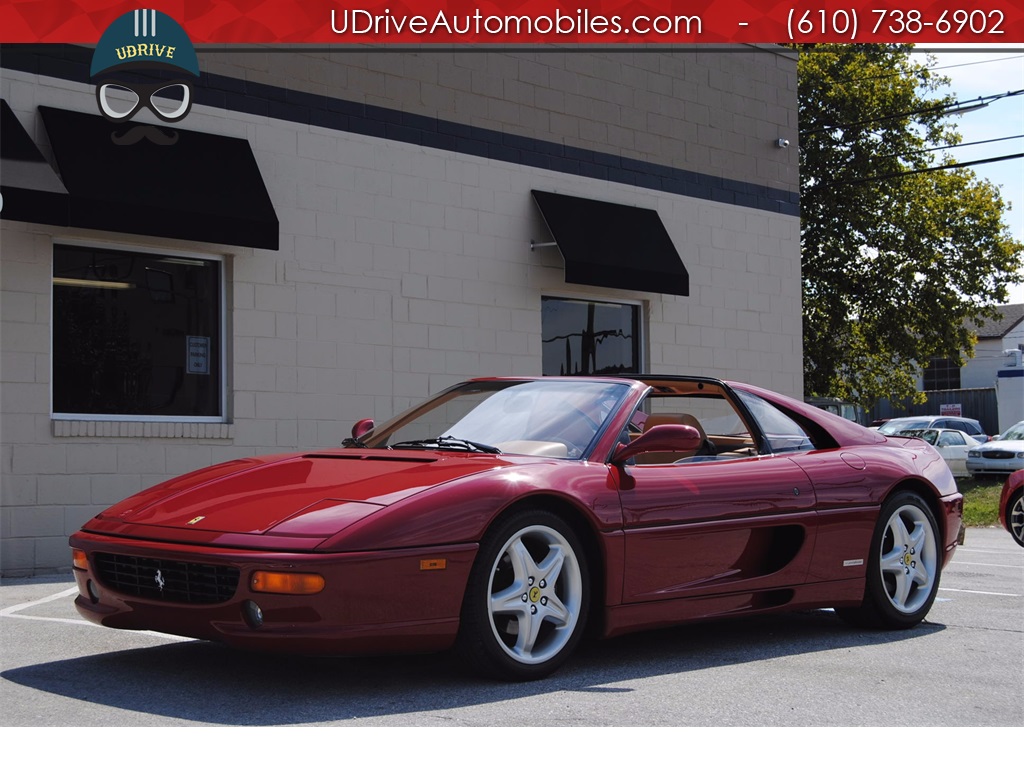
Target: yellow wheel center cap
(535,594)
(907,559)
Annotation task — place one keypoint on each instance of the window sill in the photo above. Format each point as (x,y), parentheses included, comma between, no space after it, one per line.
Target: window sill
(165,429)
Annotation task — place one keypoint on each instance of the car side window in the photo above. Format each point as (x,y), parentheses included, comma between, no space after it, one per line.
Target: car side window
(723,433)
(783,433)
(961,424)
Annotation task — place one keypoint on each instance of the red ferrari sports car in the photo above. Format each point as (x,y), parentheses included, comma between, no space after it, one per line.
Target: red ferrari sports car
(507,517)
(1011,506)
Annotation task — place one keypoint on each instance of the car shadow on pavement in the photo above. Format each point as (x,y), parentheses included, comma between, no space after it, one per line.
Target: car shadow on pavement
(203,682)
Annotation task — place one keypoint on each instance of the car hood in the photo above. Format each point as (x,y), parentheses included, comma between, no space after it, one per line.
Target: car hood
(1000,445)
(304,495)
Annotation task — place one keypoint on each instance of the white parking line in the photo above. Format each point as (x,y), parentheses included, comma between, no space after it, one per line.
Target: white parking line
(983,565)
(976,592)
(14,612)
(16,608)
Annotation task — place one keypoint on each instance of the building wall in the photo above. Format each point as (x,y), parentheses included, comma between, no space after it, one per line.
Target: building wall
(983,369)
(405,266)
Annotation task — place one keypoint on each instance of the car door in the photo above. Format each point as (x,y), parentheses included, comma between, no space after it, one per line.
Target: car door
(733,519)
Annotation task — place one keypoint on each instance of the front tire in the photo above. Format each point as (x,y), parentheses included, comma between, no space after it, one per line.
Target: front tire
(903,566)
(527,599)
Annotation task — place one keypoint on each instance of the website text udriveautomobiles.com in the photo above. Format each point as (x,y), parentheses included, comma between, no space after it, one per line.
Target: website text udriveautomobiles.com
(445,23)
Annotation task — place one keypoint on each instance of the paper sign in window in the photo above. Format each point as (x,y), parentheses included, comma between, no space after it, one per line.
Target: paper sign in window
(198,354)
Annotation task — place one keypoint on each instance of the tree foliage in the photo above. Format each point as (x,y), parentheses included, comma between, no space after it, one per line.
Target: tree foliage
(895,257)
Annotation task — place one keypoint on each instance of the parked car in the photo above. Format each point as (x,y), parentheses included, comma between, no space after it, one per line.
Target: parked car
(1002,455)
(952,445)
(971,427)
(504,517)
(1011,506)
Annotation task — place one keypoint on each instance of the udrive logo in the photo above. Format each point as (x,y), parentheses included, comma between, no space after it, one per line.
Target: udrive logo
(144,60)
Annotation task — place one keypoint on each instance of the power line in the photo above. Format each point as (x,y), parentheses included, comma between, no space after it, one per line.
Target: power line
(954,146)
(973,63)
(905,73)
(912,171)
(940,108)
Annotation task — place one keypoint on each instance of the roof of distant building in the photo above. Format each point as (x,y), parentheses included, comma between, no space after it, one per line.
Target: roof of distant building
(1012,315)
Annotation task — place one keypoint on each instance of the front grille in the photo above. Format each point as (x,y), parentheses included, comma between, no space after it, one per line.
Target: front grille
(168,580)
(998,454)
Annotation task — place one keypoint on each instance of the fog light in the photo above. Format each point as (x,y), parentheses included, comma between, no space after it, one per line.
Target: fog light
(93,590)
(252,614)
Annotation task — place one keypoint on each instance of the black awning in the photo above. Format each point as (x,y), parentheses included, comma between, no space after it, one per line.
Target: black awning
(29,185)
(178,184)
(613,245)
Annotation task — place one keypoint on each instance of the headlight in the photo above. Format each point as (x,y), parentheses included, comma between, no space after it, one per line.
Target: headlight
(974,454)
(1020,454)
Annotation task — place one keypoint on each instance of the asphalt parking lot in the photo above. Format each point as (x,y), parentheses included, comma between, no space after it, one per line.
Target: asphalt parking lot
(963,667)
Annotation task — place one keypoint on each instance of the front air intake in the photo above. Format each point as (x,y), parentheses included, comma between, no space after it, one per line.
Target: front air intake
(167,580)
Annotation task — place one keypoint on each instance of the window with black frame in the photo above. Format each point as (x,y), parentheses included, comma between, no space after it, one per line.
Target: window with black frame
(136,334)
(941,373)
(589,337)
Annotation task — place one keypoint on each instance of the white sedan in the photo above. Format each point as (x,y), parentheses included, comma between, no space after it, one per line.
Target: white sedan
(1001,456)
(952,445)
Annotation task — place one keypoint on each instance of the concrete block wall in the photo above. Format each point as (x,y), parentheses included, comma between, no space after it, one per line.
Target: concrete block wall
(404,265)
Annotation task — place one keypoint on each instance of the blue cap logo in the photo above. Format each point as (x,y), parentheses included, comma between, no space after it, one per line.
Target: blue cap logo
(141,39)
(144,42)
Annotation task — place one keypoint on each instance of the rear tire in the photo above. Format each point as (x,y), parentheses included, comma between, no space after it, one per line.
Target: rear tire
(903,566)
(527,599)
(1015,517)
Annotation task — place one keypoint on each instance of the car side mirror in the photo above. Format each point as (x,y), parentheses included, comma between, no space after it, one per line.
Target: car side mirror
(361,427)
(663,437)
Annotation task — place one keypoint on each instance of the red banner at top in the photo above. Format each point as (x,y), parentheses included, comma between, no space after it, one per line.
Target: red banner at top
(545,22)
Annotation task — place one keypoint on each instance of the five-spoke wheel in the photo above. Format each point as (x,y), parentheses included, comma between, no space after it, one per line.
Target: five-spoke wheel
(908,558)
(903,567)
(526,603)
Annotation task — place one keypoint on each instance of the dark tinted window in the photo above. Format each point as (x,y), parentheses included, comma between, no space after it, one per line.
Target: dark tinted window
(942,373)
(135,334)
(583,337)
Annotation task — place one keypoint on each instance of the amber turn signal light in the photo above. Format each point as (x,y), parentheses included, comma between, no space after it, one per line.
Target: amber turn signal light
(287,583)
(79,560)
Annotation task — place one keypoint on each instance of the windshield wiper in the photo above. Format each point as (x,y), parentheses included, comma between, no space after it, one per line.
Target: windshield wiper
(447,441)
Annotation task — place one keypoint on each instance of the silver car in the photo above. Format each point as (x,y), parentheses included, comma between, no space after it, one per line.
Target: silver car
(1001,456)
(970,427)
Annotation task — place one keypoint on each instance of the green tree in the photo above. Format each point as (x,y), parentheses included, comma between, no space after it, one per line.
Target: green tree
(895,257)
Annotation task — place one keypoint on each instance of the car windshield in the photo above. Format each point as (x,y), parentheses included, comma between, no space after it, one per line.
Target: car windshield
(895,426)
(557,418)
(1016,432)
(930,436)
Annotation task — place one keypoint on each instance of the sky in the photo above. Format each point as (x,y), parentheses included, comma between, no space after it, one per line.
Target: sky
(991,71)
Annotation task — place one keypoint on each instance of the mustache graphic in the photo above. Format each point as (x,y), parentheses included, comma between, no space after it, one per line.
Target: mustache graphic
(137,133)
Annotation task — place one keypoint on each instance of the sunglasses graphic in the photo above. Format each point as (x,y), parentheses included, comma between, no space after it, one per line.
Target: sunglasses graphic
(120,101)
